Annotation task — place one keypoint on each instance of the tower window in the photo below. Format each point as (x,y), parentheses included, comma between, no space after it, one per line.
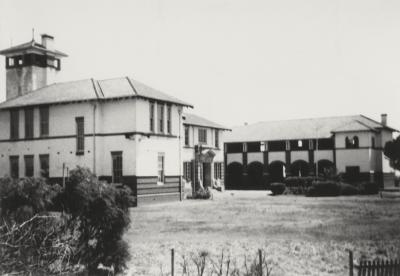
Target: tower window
(20,61)
(11,62)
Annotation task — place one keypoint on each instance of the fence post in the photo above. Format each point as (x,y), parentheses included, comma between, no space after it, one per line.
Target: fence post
(351,262)
(261,264)
(172,261)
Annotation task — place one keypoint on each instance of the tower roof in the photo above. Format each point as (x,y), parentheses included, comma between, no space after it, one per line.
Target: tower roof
(31,47)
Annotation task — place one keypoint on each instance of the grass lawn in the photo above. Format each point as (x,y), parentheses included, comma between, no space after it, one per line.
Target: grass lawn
(300,235)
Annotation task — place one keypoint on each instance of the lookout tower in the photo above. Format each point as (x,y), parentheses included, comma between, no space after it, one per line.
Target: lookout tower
(31,65)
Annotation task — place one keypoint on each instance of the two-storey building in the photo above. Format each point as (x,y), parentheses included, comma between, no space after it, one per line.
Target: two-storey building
(123,130)
(202,155)
(267,152)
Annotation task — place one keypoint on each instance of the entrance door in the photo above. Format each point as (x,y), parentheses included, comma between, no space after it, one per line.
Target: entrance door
(206,175)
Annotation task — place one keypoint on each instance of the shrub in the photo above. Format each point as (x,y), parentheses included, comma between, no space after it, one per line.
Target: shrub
(299,185)
(324,188)
(347,189)
(369,188)
(202,193)
(277,188)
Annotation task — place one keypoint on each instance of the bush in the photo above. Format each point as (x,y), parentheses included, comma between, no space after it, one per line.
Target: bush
(202,193)
(369,188)
(324,188)
(347,189)
(93,218)
(277,188)
(299,185)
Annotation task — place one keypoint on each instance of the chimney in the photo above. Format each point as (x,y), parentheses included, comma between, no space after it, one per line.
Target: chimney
(48,42)
(384,119)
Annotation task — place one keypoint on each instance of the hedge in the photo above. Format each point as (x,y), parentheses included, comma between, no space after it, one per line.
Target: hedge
(277,188)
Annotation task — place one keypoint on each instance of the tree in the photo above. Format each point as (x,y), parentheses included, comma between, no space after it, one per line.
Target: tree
(392,151)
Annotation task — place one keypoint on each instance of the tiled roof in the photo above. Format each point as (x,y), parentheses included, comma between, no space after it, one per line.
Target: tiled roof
(195,120)
(302,129)
(88,90)
(30,46)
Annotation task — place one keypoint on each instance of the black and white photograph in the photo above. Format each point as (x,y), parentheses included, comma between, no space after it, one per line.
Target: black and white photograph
(200,137)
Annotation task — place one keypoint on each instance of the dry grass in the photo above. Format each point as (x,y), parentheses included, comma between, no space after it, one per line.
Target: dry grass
(301,236)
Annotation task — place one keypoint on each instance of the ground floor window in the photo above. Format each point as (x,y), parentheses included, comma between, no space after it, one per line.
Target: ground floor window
(116,166)
(14,166)
(187,171)
(161,164)
(28,165)
(44,165)
(218,170)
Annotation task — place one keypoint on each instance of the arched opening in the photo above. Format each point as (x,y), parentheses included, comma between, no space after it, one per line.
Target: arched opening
(255,176)
(234,175)
(355,142)
(326,167)
(276,171)
(299,168)
(352,143)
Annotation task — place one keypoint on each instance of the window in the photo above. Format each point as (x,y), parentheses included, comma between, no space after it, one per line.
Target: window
(161,161)
(11,62)
(28,123)
(28,165)
(20,62)
(116,167)
(44,120)
(277,145)
(373,142)
(218,170)
(234,148)
(160,117)
(187,171)
(14,166)
(352,143)
(217,138)
(169,119)
(14,124)
(80,135)
(152,117)
(202,135)
(186,136)
(325,143)
(44,165)
(254,147)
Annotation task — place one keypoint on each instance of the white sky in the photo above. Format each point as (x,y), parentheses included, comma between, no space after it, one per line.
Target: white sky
(236,61)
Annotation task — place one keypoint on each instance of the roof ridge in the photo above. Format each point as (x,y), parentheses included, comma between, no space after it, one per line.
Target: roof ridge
(305,119)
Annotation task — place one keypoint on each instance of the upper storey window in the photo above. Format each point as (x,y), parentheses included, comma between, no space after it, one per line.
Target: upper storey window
(186,136)
(352,143)
(80,135)
(169,126)
(14,124)
(202,135)
(29,123)
(152,117)
(160,117)
(44,121)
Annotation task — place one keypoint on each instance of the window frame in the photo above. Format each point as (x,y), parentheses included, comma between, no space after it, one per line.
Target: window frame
(42,159)
(216,139)
(117,167)
(29,167)
(169,118)
(14,160)
(29,116)
(160,117)
(80,135)
(161,170)
(202,131)
(187,138)
(14,124)
(152,108)
(44,121)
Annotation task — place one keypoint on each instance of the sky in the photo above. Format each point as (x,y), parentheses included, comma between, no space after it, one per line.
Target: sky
(236,61)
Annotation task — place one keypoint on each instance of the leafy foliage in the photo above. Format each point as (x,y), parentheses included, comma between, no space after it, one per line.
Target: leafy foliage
(86,219)
(392,151)
(277,188)
(202,193)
